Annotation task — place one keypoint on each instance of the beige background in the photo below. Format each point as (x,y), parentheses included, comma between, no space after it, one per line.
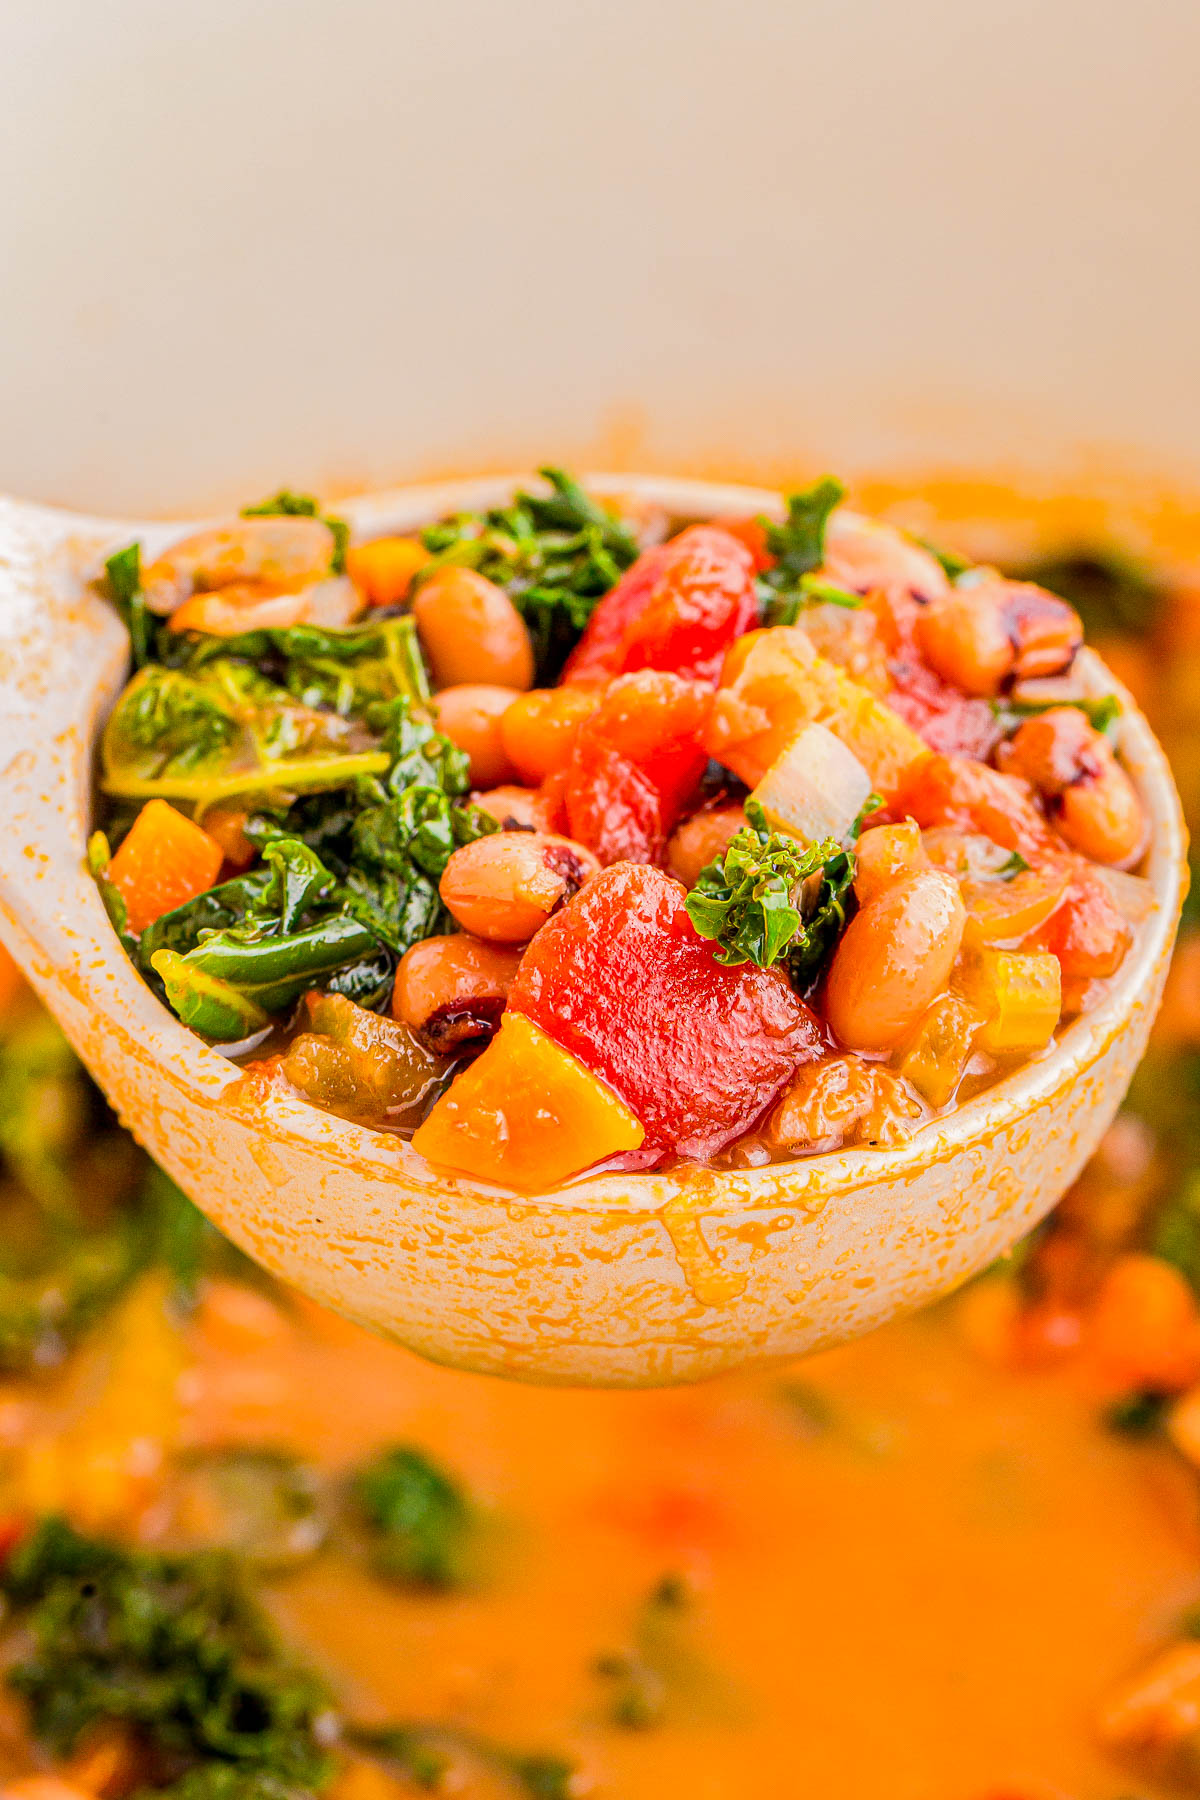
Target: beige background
(244,243)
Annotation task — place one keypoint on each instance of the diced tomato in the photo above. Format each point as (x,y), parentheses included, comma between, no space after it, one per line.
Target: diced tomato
(953,790)
(698,1051)
(753,533)
(949,721)
(611,807)
(1088,933)
(679,607)
(636,764)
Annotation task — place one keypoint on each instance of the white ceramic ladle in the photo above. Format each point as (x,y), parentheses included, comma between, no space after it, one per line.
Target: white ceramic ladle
(614,1279)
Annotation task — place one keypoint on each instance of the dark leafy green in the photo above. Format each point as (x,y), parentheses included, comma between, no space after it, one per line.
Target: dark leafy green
(554,554)
(304,506)
(124,572)
(223,731)
(750,900)
(798,546)
(418,1519)
(172,1645)
(351,672)
(295,936)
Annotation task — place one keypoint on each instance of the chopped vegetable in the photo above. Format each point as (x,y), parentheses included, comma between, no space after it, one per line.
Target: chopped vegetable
(384,568)
(935,1058)
(287,504)
(678,608)
(748,901)
(527,1113)
(1018,995)
(816,790)
(163,862)
(622,979)
(797,548)
(774,683)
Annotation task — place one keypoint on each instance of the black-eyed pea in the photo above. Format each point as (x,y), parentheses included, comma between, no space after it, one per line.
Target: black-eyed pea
(894,960)
(469,715)
(452,990)
(504,887)
(471,632)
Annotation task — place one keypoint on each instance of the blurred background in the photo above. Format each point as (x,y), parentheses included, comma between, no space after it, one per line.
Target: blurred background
(344,244)
(947,250)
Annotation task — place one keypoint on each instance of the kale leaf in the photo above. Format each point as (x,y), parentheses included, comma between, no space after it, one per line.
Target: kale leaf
(222,731)
(124,572)
(798,546)
(418,1518)
(304,506)
(817,939)
(172,1645)
(555,555)
(750,901)
(349,671)
(232,981)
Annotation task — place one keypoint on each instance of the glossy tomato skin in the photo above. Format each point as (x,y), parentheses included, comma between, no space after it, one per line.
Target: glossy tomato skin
(679,607)
(612,807)
(698,1051)
(635,765)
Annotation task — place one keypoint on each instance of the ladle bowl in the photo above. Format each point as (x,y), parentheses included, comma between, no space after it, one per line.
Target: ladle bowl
(616,1279)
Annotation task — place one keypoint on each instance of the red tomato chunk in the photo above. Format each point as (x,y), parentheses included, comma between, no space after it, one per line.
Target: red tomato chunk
(636,763)
(622,980)
(679,607)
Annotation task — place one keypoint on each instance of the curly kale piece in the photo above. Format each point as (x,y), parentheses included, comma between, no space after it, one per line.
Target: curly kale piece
(172,1645)
(554,554)
(798,546)
(418,1518)
(750,901)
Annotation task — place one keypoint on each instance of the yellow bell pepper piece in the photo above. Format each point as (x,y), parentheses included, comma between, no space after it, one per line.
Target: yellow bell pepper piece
(936,1057)
(526,1114)
(1019,995)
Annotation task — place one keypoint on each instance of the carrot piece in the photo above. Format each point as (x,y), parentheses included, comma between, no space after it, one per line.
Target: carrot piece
(526,1114)
(164,861)
(383,570)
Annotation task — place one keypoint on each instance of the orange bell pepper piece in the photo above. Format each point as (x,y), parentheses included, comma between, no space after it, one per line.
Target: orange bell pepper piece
(526,1114)
(164,861)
